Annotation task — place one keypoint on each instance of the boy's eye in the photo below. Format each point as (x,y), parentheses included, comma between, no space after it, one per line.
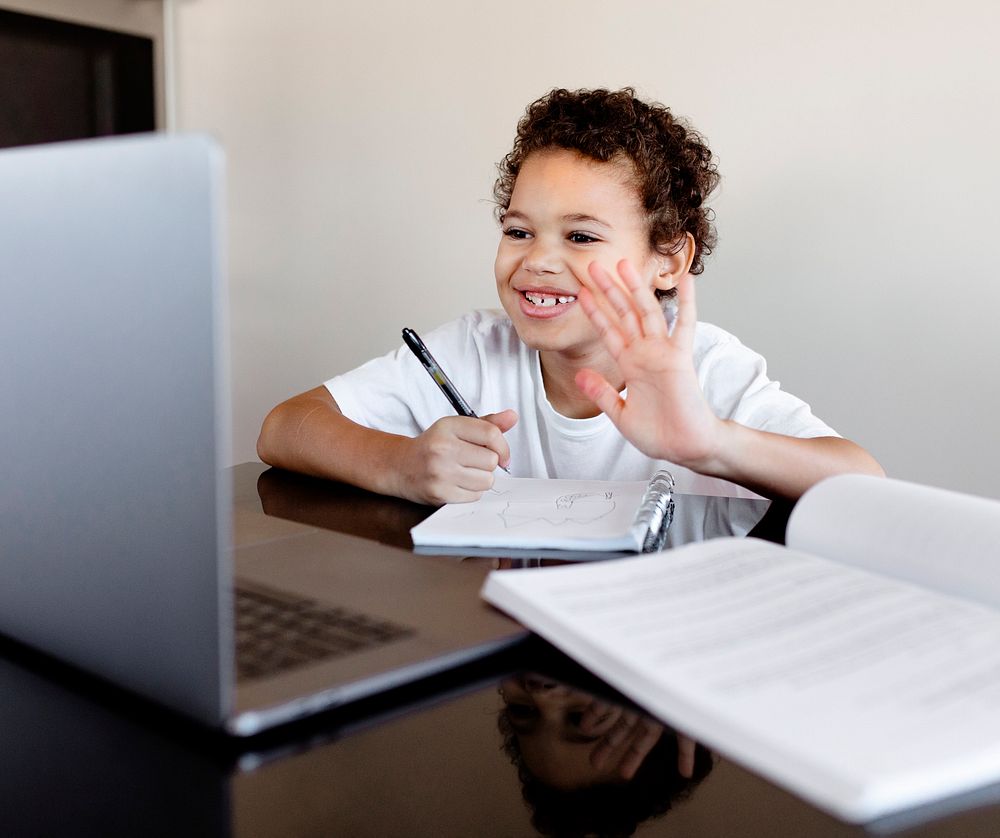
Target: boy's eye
(521,711)
(582,238)
(515,233)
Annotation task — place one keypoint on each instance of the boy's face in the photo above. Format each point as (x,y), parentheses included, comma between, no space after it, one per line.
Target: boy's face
(565,212)
(546,722)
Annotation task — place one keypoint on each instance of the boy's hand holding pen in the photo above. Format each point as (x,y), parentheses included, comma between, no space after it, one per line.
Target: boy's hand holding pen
(459,453)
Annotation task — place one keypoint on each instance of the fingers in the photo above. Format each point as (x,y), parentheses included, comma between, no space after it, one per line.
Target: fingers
(685,755)
(492,428)
(444,481)
(630,304)
(613,297)
(596,388)
(485,446)
(608,748)
(597,717)
(644,301)
(626,744)
(504,420)
(602,321)
(644,737)
(459,494)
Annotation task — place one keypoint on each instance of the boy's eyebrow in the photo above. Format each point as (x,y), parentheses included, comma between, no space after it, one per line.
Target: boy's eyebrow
(575,217)
(515,214)
(575,738)
(579,217)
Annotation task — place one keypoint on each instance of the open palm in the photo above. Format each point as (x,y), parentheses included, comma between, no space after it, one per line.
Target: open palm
(665,414)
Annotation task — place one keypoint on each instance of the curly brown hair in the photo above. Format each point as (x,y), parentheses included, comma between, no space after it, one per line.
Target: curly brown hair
(607,810)
(673,167)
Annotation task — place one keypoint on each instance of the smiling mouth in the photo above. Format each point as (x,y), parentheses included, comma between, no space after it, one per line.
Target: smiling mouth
(547,300)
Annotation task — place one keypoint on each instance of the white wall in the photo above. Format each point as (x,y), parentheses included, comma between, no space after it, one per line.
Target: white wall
(858,215)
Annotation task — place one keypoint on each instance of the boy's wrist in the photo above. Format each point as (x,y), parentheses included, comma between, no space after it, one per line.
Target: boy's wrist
(387,470)
(717,460)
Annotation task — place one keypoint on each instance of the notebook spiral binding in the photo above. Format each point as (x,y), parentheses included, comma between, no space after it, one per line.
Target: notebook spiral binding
(656,512)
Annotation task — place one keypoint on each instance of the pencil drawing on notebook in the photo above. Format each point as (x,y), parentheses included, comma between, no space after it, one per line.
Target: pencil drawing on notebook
(576,509)
(553,514)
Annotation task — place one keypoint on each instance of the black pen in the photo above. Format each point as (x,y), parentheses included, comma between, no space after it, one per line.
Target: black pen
(412,340)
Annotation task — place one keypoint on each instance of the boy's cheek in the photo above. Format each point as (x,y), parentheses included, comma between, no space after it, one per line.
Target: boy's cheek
(581,270)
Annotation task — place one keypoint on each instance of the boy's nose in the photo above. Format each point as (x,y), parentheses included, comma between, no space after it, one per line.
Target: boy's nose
(540,260)
(536,683)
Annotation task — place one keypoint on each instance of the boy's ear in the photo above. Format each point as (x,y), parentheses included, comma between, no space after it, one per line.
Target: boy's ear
(675,261)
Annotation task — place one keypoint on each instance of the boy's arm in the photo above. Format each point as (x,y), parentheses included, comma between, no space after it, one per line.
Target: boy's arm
(452,461)
(775,465)
(666,415)
(308,434)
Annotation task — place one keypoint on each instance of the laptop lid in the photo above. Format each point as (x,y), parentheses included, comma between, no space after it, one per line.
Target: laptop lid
(115,526)
(114,530)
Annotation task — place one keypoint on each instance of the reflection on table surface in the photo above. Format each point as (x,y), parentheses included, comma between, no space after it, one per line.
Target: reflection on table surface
(517,745)
(343,508)
(589,764)
(515,753)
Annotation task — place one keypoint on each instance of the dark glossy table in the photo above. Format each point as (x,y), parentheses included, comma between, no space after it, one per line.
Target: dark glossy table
(434,759)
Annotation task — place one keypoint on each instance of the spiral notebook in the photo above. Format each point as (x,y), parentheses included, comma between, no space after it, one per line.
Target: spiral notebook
(588,515)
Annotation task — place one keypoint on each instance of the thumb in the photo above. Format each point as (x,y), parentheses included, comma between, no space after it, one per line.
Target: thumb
(596,388)
(504,420)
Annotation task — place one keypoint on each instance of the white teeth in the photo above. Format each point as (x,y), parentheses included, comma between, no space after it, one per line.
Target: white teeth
(545,300)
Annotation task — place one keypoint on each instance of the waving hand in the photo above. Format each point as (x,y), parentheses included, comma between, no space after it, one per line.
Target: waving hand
(665,414)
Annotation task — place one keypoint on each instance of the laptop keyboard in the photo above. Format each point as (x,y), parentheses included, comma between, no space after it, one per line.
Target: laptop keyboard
(276,632)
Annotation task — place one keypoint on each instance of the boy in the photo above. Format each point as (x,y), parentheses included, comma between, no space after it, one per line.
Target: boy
(602,209)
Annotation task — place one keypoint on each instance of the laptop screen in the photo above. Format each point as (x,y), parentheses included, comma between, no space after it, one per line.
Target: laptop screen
(114,527)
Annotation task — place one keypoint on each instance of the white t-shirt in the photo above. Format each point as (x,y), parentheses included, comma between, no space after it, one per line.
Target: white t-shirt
(494,370)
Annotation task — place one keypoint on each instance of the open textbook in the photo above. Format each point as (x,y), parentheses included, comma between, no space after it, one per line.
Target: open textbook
(589,515)
(858,667)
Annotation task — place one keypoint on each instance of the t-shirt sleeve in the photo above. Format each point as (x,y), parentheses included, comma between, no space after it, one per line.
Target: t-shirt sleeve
(395,394)
(735,383)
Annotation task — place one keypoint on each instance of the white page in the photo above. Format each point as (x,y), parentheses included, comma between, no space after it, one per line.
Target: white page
(861,693)
(944,540)
(535,513)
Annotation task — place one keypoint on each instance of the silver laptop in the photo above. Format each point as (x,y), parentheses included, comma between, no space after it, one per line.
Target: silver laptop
(115,507)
